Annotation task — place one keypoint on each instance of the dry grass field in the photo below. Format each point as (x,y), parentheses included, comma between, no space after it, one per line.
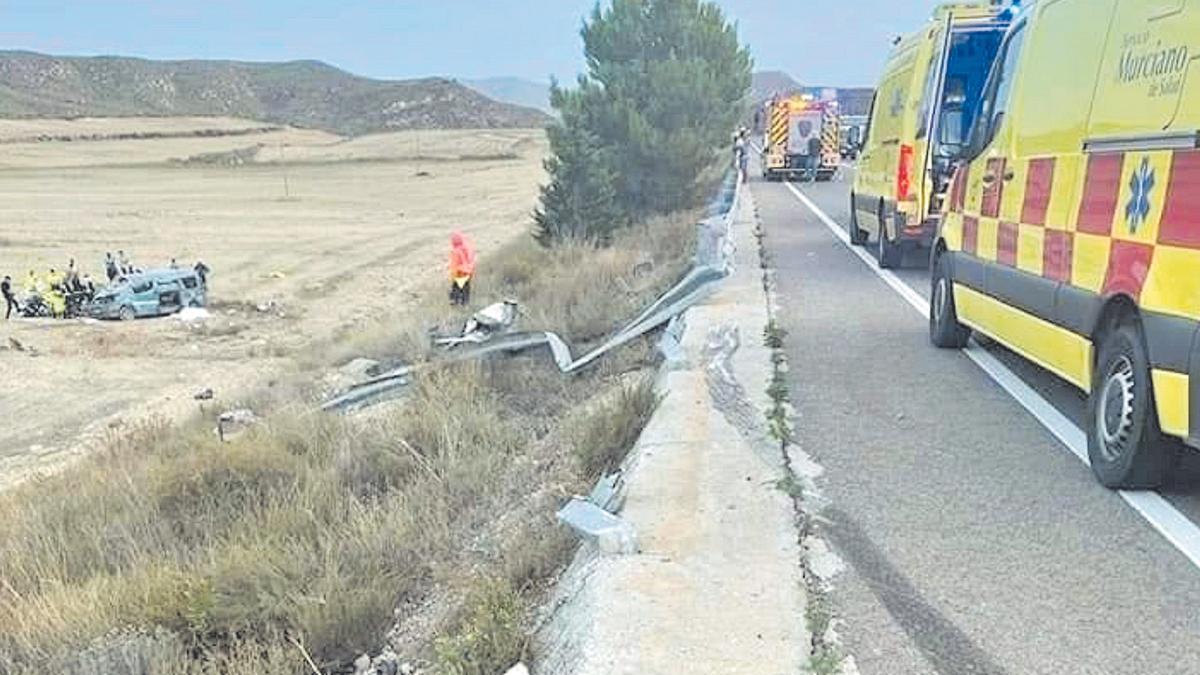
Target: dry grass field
(331,234)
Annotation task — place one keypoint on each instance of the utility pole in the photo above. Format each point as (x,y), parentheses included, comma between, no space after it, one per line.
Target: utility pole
(287,192)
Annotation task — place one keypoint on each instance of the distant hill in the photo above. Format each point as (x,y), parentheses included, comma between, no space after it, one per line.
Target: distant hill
(514,90)
(301,93)
(767,83)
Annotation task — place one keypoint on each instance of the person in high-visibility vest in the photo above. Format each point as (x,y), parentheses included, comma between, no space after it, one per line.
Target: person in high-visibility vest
(462,268)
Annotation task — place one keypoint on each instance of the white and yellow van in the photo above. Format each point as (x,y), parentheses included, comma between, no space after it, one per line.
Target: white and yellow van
(1072,233)
(923,108)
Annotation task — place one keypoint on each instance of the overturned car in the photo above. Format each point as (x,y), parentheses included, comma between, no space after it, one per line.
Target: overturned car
(149,293)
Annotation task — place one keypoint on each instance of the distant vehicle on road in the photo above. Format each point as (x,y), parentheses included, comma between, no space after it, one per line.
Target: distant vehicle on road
(1072,233)
(853,127)
(925,103)
(801,139)
(151,293)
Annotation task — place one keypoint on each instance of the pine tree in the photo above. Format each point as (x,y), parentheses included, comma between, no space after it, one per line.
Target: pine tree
(665,86)
(580,201)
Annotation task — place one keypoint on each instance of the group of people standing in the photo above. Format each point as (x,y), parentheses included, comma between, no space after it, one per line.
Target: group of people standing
(62,292)
(118,267)
(57,289)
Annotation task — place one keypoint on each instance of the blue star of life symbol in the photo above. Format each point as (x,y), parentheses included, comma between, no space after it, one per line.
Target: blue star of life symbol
(1141,184)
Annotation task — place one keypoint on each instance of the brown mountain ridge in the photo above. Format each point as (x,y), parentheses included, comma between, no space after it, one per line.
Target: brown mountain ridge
(307,94)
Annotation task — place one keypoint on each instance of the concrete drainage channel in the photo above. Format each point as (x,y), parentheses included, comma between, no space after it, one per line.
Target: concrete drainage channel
(701,555)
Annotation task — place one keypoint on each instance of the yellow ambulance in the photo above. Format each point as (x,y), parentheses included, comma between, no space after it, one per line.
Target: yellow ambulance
(1072,232)
(923,108)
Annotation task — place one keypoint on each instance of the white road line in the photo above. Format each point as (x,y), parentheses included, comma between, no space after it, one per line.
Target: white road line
(1168,521)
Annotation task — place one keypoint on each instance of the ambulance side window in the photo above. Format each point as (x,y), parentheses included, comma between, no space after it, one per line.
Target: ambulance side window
(866,134)
(929,96)
(995,103)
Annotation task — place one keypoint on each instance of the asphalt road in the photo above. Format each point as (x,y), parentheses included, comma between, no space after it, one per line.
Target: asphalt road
(976,542)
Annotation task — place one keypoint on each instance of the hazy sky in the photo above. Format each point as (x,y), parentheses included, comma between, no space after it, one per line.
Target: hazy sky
(839,42)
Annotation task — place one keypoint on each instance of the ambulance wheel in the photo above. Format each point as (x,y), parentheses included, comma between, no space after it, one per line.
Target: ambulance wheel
(858,236)
(126,314)
(890,253)
(944,329)
(1125,443)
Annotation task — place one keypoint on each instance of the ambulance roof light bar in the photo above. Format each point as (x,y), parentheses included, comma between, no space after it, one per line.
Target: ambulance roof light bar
(1005,8)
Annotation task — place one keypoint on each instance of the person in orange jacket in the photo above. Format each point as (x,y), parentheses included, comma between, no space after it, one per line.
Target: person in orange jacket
(462,269)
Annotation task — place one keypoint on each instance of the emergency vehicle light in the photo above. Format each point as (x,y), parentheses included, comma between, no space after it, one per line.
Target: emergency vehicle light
(904,173)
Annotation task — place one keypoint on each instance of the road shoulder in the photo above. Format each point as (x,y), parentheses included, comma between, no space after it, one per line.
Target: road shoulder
(717,585)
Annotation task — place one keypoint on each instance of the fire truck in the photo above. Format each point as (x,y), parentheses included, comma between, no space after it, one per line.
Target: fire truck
(801,139)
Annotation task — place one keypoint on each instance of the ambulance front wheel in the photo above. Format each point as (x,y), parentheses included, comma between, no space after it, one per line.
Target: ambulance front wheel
(1125,443)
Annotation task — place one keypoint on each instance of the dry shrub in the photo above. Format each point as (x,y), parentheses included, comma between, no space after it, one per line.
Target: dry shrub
(172,552)
(603,440)
(490,635)
(586,291)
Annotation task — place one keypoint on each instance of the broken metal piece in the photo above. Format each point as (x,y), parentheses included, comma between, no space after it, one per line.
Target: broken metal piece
(670,344)
(606,493)
(611,534)
(233,422)
(483,325)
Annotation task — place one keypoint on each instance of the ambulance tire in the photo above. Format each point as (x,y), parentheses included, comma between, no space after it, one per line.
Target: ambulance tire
(858,236)
(944,329)
(890,253)
(1125,443)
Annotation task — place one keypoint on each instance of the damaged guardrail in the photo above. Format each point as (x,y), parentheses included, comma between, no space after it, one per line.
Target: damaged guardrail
(712,263)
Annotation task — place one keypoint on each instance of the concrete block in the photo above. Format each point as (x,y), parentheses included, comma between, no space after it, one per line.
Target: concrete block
(611,535)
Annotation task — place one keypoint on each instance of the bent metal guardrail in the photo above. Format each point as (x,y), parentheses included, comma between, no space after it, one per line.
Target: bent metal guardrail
(713,262)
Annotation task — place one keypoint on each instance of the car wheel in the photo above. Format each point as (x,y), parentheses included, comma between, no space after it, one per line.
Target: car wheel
(1125,444)
(858,236)
(126,313)
(944,329)
(890,253)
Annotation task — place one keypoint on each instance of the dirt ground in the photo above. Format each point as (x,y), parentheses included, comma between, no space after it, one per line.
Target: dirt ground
(328,233)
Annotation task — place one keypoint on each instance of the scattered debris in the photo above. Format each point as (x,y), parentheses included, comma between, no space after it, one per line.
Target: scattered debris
(610,534)
(485,324)
(359,368)
(491,328)
(669,345)
(15,345)
(232,423)
(387,663)
(205,394)
(191,314)
(385,386)
(519,669)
